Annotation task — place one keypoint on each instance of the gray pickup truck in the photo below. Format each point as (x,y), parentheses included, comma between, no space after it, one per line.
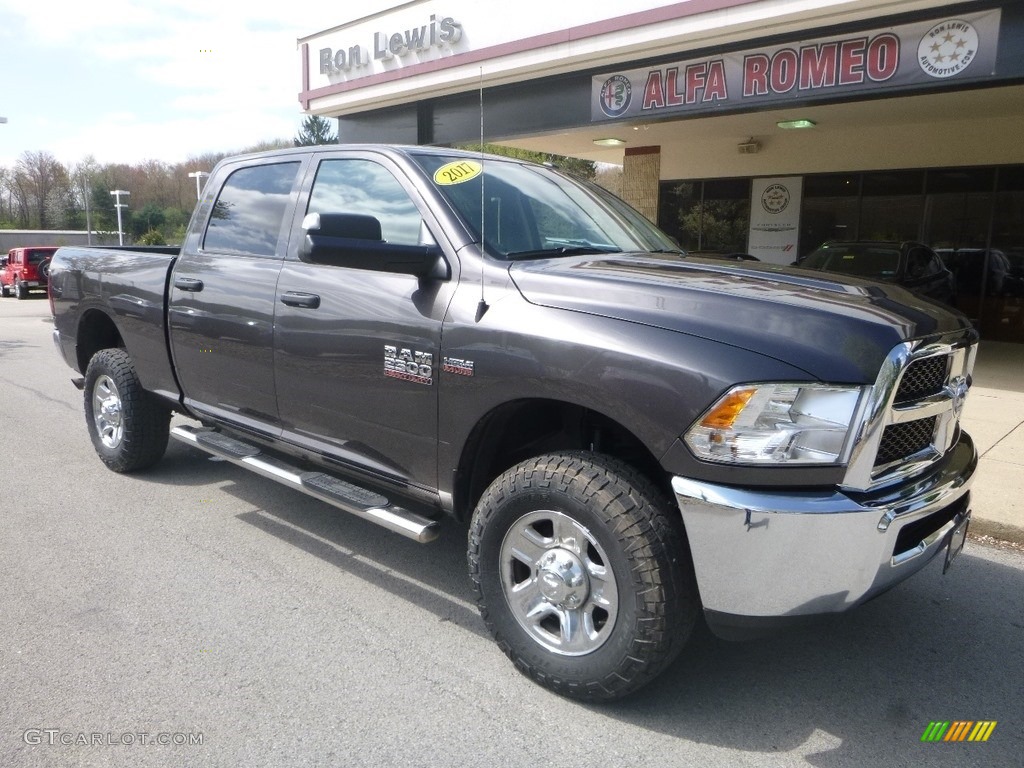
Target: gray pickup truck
(634,436)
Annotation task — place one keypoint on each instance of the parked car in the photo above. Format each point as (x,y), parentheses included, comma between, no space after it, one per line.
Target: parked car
(912,265)
(984,271)
(990,288)
(26,270)
(631,436)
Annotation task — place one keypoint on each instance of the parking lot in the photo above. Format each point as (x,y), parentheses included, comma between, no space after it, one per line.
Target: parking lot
(201,603)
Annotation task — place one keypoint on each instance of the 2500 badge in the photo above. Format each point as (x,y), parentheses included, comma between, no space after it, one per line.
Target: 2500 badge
(408,365)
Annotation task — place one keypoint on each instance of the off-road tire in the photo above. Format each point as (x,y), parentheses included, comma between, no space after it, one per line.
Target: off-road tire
(5,291)
(21,291)
(144,422)
(633,526)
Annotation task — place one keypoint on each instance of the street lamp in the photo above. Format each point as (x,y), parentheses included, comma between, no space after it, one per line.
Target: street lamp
(198,176)
(119,205)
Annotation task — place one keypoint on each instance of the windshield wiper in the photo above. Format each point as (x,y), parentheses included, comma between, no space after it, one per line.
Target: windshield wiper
(564,250)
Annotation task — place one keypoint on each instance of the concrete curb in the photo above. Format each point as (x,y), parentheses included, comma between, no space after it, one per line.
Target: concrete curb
(996,530)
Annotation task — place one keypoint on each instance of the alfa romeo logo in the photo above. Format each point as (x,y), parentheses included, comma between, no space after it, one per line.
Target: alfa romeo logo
(616,93)
(948,48)
(775,198)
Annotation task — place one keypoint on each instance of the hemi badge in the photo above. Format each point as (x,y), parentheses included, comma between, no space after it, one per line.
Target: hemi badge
(458,366)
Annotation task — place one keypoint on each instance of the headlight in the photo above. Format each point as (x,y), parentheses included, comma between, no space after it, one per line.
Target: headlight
(777,424)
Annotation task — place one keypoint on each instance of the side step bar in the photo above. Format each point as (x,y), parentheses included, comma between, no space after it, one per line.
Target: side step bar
(346,496)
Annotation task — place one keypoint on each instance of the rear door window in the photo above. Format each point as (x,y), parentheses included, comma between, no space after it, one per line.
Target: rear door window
(250,209)
(38,256)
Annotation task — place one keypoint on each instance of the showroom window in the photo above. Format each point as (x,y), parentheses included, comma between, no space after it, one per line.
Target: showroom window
(972,217)
(831,210)
(892,205)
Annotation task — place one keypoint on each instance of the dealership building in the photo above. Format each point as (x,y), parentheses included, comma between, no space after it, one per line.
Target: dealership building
(757,126)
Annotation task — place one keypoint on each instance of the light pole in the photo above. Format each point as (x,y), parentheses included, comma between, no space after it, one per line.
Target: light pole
(119,205)
(198,176)
(88,218)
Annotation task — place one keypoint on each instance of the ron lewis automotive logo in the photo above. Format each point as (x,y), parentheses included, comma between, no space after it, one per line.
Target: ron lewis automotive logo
(948,48)
(616,94)
(775,199)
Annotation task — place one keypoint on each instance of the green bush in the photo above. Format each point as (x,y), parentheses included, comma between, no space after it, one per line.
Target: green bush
(152,237)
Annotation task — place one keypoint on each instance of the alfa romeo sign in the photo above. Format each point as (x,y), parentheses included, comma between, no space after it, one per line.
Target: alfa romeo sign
(924,54)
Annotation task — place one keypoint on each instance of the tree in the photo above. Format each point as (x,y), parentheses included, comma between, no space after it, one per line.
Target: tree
(148,219)
(41,190)
(315,130)
(574,166)
(263,146)
(721,225)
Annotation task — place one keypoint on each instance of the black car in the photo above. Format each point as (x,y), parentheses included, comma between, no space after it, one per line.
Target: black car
(912,265)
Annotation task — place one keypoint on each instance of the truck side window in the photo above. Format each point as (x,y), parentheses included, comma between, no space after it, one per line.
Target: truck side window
(367,188)
(249,210)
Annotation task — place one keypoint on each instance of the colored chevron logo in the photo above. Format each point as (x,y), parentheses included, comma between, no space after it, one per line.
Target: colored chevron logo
(959,730)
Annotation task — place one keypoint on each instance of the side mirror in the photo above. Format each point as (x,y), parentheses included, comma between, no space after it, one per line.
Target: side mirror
(916,270)
(354,240)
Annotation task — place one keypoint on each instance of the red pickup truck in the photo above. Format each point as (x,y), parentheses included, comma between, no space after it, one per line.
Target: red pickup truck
(26,269)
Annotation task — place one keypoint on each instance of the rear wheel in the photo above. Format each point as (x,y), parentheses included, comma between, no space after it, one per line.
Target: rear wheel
(583,574)
(21,291)
(128,426)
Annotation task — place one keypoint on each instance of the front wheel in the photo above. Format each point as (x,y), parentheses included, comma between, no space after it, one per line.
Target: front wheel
(583,574)
(5,290)
(128,426)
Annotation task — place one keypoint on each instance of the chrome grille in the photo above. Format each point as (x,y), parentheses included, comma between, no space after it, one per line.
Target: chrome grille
(923,378)
(900,441)
(911,415)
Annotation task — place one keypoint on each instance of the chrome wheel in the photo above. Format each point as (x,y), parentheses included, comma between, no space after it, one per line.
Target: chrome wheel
(107,412)
(558,583)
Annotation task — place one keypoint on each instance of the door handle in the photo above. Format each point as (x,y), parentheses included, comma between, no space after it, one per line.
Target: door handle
(296,299)
(190,284)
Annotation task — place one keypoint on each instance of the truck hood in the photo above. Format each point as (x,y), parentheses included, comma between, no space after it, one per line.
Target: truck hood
(836,329)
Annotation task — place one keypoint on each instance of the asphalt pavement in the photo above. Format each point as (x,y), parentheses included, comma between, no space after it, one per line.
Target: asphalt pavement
(247,625)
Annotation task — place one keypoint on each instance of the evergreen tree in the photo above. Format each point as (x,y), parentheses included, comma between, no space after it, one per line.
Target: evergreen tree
(315,130)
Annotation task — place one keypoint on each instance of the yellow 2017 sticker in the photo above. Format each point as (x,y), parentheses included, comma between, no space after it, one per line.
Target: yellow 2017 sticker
(458,172)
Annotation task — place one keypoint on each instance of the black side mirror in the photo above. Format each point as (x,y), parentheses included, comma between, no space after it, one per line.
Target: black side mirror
(354,240)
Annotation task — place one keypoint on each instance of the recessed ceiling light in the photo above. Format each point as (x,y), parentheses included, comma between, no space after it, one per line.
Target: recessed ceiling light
(609,142)
(788,124)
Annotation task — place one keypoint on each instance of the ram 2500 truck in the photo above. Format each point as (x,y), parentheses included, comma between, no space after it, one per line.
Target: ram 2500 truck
(633,435)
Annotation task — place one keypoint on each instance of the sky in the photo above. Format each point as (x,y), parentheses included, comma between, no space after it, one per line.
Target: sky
(130,80)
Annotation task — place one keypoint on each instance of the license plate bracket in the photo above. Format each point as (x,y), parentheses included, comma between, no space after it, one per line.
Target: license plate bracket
(957,539)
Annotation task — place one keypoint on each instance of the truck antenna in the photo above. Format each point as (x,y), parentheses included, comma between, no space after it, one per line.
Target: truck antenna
(482,306)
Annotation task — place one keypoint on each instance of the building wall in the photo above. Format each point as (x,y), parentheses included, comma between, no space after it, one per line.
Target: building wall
(935,139)
(641,173)
(19,238)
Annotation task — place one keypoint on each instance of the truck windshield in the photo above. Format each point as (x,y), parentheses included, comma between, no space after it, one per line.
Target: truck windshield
(874,262)
(524,211)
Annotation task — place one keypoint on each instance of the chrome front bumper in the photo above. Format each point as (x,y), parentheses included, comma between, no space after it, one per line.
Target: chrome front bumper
(767,554)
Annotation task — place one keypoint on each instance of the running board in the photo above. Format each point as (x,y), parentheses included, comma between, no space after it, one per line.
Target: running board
(361,502)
